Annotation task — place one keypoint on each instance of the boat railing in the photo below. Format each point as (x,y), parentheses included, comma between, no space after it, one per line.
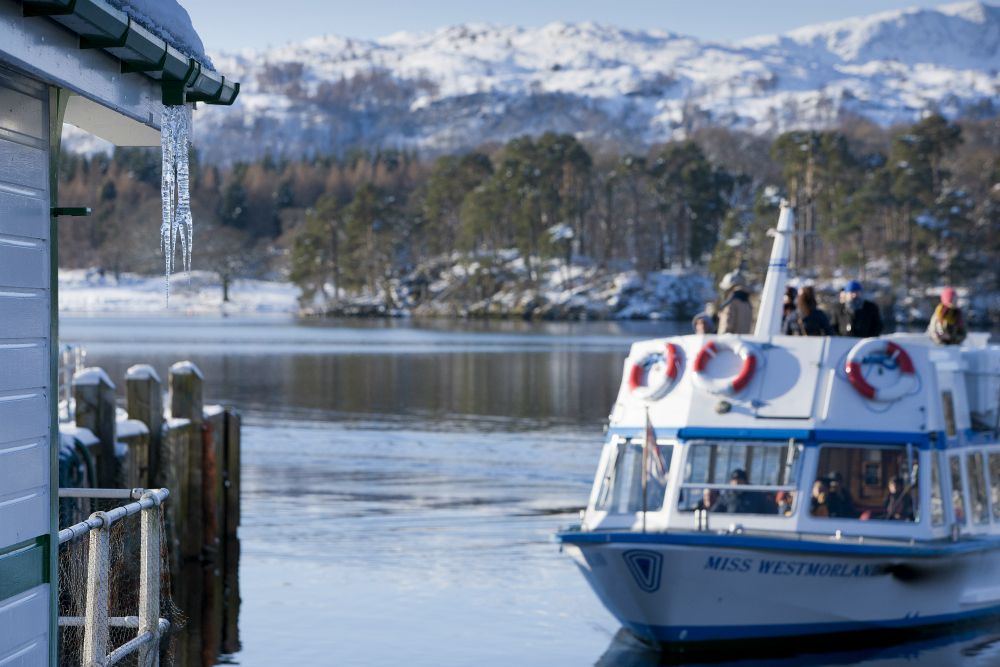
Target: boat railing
(95,622)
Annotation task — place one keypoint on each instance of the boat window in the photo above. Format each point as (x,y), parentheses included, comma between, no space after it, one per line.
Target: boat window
(713,470)
(621,486)
(937,499)
(994,464)
(956,489)
(867,483)
(977,488)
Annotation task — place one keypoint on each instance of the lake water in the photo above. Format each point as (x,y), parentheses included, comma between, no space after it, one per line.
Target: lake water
(401,481)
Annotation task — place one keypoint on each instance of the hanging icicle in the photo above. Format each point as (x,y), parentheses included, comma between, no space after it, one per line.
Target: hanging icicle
(178,226)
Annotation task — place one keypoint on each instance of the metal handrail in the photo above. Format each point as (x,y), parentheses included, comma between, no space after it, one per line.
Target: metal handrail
(96,622)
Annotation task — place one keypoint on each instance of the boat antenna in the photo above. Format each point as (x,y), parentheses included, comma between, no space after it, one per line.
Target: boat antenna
(771,299)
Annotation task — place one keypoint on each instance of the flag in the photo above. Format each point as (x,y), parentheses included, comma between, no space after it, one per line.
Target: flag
(658,467)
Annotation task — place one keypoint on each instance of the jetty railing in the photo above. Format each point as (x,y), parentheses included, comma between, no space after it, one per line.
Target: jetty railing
(96,622)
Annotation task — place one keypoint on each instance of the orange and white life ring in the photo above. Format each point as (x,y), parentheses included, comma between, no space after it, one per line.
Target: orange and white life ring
(891,356)
(653,376)
(726,386)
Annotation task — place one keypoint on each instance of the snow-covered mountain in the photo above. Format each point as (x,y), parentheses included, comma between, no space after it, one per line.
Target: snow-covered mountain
(460,86)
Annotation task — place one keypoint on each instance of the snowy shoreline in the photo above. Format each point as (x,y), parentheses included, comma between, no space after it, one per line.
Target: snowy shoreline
(88,292)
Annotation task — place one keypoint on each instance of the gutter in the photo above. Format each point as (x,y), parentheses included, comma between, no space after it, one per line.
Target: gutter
(101,26)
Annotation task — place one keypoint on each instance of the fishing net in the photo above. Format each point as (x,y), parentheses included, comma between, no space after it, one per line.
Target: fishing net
(125,541)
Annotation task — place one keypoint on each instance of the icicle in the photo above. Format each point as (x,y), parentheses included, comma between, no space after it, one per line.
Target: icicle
(167,191)
(178,225)
(185,224)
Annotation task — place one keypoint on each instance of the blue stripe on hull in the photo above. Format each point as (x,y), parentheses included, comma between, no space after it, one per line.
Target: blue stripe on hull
(844,547)
(744,632)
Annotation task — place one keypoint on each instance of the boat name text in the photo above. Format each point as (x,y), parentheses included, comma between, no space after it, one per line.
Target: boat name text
(794,568)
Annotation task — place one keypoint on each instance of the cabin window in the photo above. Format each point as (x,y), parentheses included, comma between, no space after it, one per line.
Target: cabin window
(621,486)
(714,470)
(955,465)
(867,483)
(994,464)
(937,498)
(977,488)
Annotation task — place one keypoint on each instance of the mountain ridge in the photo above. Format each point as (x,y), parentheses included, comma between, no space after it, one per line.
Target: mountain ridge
(459,86)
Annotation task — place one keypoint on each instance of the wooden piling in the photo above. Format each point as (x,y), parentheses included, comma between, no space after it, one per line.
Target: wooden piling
(95,410)
(144,402)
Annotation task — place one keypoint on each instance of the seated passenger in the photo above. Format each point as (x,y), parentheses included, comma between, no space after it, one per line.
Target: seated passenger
(708,498)
(784,500)
(840,502)
(743,502)
(899,504)
(820,496)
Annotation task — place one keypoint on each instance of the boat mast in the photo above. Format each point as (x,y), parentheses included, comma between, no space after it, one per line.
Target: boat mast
(772,298)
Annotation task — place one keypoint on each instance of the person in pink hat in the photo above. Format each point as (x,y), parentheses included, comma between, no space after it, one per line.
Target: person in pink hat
(947,326)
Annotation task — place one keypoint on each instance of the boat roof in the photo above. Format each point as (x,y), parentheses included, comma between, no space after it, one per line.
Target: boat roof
(800,389)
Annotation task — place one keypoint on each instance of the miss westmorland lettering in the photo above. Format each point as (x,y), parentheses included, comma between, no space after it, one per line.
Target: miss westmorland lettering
(795,568)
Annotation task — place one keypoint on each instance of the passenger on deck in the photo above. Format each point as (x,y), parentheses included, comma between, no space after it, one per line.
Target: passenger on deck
(899,505)
(736,314)
(854,316)
(947,326)
(808,320)
(788,303)
(820,496)
(702,324)
(743,502)
(840,502)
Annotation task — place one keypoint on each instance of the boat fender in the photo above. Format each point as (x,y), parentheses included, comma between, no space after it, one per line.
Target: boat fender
(655,374)
(725,386)
(875,350)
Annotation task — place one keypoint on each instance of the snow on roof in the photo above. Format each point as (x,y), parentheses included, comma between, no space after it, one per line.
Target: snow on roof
(141,372)
(92,376)
(186,368)
(170,22)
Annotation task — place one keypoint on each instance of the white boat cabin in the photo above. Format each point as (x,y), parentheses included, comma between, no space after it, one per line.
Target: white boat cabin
(798,447)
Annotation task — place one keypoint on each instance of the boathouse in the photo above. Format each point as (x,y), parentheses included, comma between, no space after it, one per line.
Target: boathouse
(108,68)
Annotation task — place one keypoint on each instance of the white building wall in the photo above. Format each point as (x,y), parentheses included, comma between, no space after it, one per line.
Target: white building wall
(25,300)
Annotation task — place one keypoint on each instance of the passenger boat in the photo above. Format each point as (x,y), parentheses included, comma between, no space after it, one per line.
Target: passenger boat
(766,486)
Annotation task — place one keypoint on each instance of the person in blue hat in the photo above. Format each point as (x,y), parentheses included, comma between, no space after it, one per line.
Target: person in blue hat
(854,316)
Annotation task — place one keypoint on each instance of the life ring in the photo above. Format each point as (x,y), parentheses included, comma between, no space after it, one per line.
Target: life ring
(888,354)
(646,380)
(725,386)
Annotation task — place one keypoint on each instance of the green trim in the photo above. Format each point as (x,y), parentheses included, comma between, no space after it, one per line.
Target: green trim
(24,566)
(72,211)
(58,99)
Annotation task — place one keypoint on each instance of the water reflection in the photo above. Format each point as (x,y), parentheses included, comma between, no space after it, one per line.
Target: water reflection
(979,645)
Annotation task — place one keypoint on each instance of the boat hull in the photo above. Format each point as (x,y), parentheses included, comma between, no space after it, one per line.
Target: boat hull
(697,593)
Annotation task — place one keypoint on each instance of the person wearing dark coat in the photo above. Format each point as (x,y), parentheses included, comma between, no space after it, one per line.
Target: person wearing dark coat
(807,320)
(854,316)
(839,501)
(743,502)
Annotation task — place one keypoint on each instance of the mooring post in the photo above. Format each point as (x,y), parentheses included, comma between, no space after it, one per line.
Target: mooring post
(95,410)
(144,402)
(149,586)
(95,634)
(186,402)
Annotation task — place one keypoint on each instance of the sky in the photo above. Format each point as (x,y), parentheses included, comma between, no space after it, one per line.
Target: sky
(230,25)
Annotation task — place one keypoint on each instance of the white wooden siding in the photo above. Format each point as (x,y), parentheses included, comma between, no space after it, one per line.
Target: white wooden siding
(24,320)
(24,619)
